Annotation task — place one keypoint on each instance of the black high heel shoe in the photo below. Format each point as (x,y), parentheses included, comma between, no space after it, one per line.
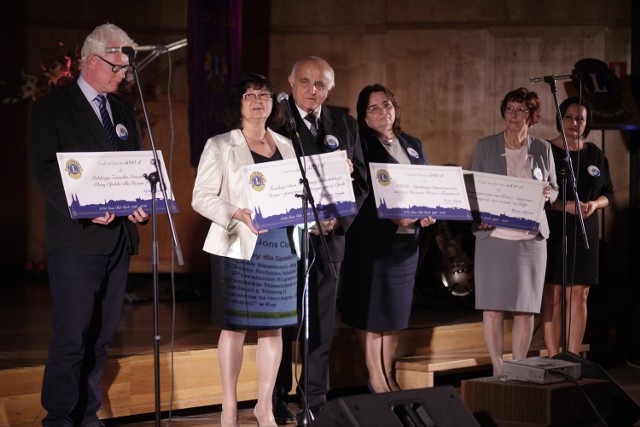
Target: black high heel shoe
(281,412)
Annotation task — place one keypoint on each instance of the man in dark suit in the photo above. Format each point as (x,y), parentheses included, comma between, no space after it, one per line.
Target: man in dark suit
(87,260)
(322,129)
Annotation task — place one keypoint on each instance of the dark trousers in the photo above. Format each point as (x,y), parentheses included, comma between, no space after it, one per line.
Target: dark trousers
(87,292)
(323,289)
(323,292)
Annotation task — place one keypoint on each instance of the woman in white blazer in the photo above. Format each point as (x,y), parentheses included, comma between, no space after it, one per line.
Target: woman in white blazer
(253,272)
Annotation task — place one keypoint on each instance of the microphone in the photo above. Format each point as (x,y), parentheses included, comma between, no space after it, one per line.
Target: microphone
(547,79)
(131,49)
(283,99)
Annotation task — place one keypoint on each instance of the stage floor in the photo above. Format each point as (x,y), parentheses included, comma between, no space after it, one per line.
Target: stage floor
(25,317)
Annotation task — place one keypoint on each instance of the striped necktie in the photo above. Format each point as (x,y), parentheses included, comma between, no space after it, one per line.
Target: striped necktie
(106,121)
(313,121)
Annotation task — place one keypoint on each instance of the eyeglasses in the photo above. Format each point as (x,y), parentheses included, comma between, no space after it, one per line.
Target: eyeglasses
(517,111)
(265,96)
(115,68)
(386,106)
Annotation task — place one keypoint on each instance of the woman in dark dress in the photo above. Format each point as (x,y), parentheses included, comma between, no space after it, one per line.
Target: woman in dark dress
(240,269)
(595,191)
(381,254)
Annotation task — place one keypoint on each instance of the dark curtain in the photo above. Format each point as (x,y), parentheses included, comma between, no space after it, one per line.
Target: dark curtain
(214,30)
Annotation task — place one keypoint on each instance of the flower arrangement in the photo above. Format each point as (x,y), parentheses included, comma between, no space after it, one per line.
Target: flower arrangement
(54,74)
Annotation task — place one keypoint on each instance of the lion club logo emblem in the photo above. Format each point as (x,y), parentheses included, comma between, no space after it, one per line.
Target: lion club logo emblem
(73,169)
(257,181)
(383,177)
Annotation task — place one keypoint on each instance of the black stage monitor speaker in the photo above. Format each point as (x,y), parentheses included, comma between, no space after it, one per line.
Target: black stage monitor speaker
(624,410)
(428,407)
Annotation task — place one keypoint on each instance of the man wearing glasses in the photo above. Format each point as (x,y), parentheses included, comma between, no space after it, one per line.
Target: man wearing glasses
(87,260)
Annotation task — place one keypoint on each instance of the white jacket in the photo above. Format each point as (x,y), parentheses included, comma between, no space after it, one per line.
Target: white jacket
(219,192)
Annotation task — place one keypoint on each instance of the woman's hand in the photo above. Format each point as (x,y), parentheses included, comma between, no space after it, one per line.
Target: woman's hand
(483,226)
(546,192)
(587,209)
(425,222)
(404,222)
(244,215)
(572,209)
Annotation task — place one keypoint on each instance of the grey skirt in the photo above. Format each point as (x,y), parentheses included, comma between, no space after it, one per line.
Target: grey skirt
(509,274)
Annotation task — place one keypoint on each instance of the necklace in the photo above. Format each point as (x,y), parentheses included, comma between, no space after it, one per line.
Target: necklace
(392,147)
(262,140)
(516,146)
(260,146)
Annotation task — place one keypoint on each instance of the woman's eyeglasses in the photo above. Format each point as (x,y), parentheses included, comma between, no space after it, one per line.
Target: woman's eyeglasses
(265,96)
(386,106)
(519,111)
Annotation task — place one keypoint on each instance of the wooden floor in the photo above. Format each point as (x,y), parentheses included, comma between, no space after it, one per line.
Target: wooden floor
(25,331)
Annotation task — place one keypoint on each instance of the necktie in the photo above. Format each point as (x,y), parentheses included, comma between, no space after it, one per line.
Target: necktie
(313,120)
(106,120)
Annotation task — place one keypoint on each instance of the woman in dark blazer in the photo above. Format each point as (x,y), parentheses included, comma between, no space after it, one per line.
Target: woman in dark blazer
(381,254)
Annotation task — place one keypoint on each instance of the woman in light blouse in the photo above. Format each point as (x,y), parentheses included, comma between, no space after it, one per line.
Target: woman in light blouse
(509,264)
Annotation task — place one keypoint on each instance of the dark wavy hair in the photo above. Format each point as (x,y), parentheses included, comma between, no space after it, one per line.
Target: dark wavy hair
(363,102)
(579,102)
(523,96)
(233,114)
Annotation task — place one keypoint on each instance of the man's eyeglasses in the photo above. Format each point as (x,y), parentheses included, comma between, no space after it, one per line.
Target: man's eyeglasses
(386,106)
(115,68)
(517,111)
(265,96)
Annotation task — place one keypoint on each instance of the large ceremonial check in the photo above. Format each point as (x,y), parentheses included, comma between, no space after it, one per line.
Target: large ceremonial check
(504,201)
(419,191)
(111,181)
(273,188)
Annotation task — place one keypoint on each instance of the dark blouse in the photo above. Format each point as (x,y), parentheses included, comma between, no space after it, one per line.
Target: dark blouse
(592,173)
(593,180)
(258,158)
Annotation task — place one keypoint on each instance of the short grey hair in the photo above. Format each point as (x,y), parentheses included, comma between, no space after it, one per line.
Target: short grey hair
(103,36)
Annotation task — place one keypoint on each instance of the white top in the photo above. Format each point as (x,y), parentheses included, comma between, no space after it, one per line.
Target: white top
(519,166)
(219,191)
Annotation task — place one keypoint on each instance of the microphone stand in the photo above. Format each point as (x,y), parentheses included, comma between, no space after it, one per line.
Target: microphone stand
(153,55)
(307,199)
(569,173)
(155,178)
